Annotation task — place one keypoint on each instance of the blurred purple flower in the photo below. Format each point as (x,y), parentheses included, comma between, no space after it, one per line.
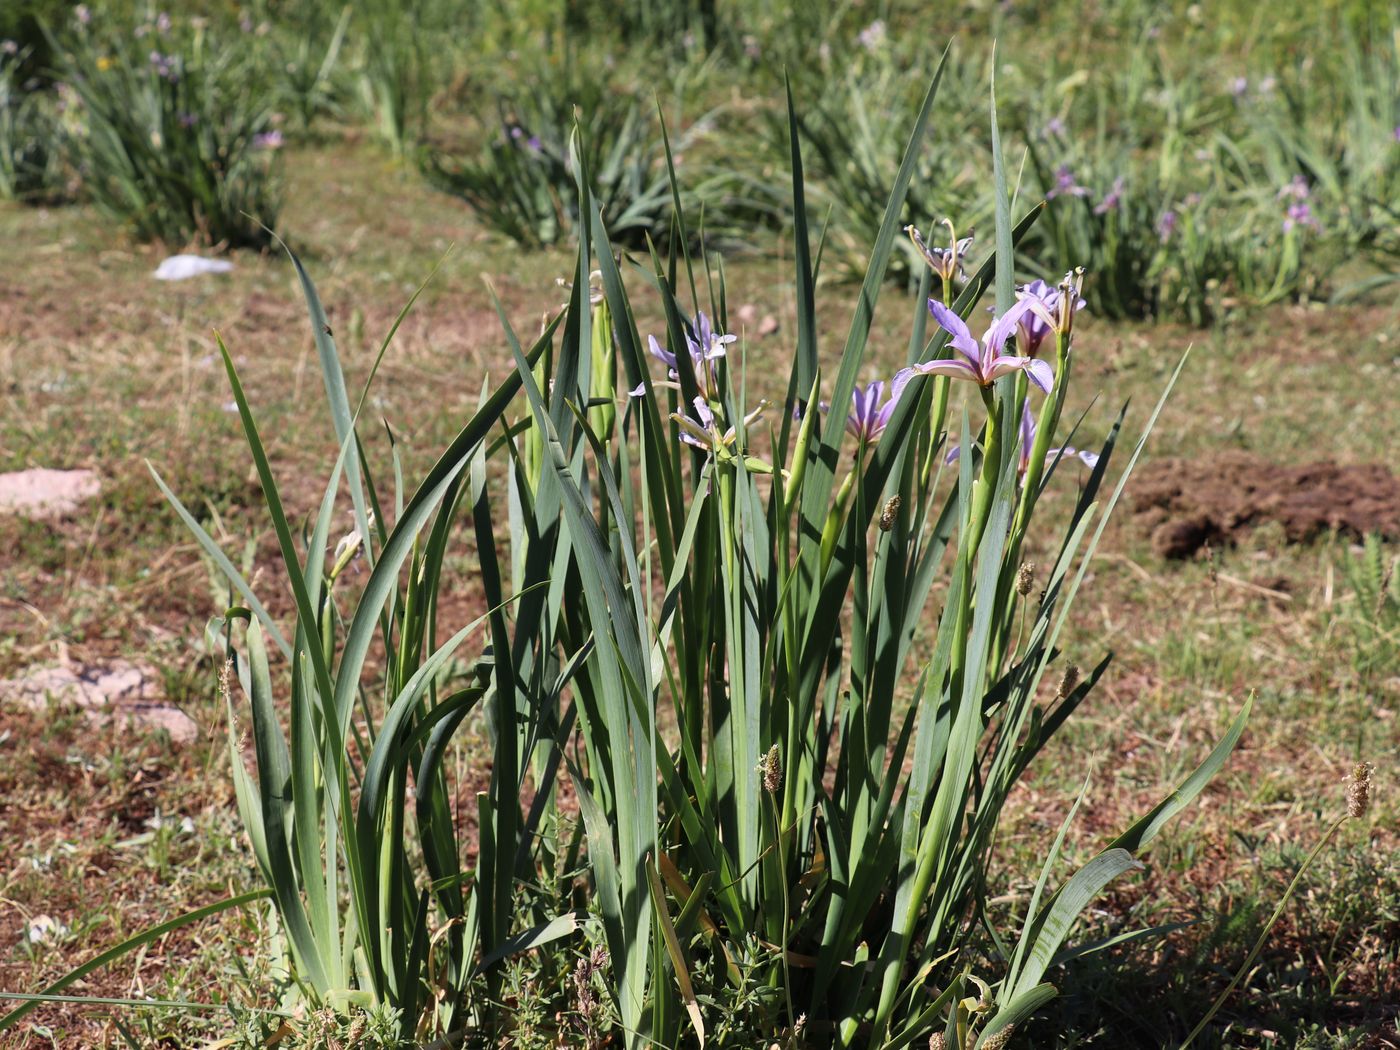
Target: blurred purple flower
(987,363)
(188,120)
(533,143)
(873,35)
(9,47)
(1239,87)
(1300,214)
(163,23)
(1111,199)
(1166,226)
(1053,127)
(83,14)
(268,140)
(1297,189)
(1065,183)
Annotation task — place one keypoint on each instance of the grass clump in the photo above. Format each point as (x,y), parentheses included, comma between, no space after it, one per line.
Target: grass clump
(169,134)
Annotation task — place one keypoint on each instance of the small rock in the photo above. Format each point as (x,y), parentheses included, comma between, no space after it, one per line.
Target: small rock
(768,326)
(44,493)
(123,692)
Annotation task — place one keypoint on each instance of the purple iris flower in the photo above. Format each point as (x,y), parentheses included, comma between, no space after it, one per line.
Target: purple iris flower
(1053,127)
(1239,87)
(705,346)
(1166,226)
(871,409)
(268,140)
(1111,199)
(1051,310)
(1028,428)
(1065,183)
(987,363)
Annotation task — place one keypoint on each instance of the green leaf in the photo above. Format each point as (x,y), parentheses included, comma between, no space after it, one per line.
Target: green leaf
(140,940)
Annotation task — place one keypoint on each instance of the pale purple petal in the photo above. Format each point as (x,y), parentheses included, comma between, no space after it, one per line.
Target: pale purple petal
(900,381)
(661,354)
(952,456)
(640,390)
(1041,374)
(950,367)
(957,331)
(1001,328)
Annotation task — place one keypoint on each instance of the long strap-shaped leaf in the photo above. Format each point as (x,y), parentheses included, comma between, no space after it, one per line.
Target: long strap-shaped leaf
(131,944)
(821,473)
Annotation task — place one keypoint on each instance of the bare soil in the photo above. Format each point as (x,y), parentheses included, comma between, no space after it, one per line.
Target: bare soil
(1188,504)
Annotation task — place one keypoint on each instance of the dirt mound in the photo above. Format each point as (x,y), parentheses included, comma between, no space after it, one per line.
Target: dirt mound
(1186,504)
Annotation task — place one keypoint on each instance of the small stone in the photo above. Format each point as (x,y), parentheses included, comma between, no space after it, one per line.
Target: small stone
(44,493)
(124,693)
(768,326)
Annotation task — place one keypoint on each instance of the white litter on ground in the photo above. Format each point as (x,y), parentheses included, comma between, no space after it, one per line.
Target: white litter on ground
(183,267)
